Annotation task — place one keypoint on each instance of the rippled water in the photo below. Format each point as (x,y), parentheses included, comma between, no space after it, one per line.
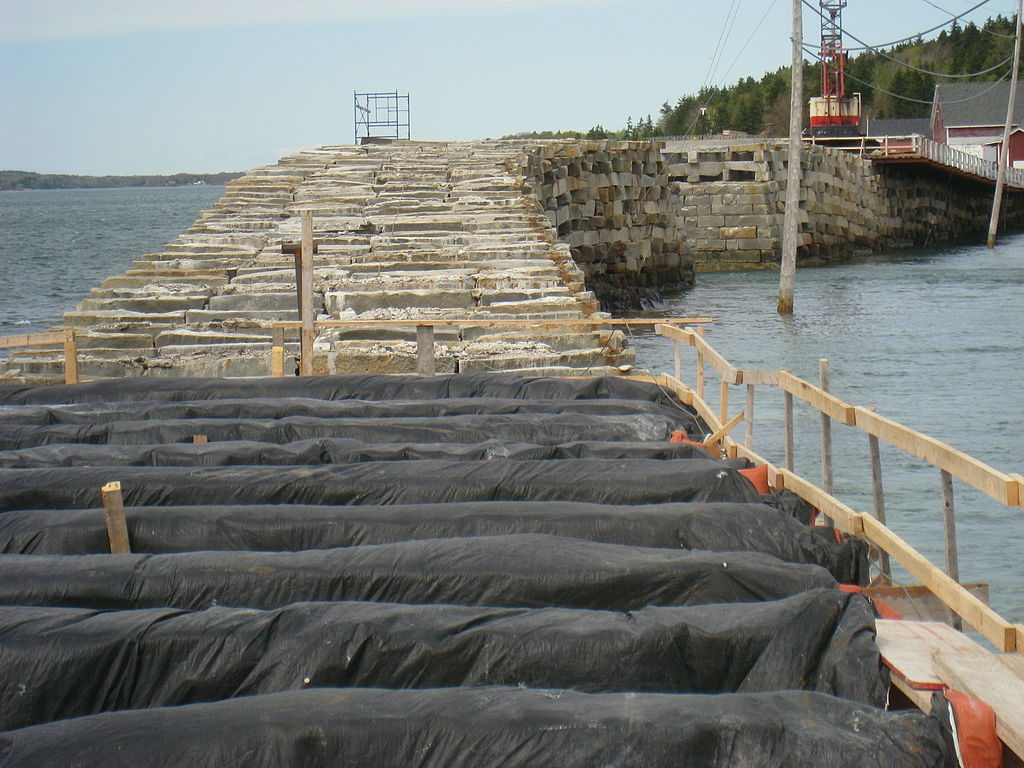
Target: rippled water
(932,339)
(57,244)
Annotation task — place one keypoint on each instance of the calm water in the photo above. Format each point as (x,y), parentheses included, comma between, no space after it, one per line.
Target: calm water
(57,244)
(931,339)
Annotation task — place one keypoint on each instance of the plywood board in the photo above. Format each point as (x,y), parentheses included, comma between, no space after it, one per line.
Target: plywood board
(907,648)
(985,676)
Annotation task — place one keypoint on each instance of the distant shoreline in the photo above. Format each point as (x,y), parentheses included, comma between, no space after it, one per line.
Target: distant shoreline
(18,180)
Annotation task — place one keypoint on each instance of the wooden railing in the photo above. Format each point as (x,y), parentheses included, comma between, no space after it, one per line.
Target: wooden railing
(1008,489)
(65,337)
(942,154)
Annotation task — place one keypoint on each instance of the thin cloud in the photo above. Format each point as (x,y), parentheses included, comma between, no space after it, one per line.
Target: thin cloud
(68,19)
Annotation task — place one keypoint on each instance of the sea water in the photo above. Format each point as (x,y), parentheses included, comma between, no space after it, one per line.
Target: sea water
(933,339)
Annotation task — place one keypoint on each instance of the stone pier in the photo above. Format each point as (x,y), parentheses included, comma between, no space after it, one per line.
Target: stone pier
(404,230)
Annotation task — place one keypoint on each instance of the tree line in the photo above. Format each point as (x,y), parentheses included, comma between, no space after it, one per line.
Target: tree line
(761,107)
(33,180)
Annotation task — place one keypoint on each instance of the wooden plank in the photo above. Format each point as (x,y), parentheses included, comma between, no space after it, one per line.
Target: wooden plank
(999,632)
(31,339)
(680,390)
(200,439)
(748,433)
(826,433)
(917,603)
(113,512)
(823,401)
(729,373)
(760,376)
(922,699)
(1019,480)
(305,289)
(277,353)
(469,322)
(907,648)
(828,505)
(788,407)
(719,433)
(70,357)
(723,401)
(984,676)
(989,481)
(424,350)
(743,452)
(878,494)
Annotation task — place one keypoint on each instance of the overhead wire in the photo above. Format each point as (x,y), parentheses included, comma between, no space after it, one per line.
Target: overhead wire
(884,55)
(911,38)
(949,13)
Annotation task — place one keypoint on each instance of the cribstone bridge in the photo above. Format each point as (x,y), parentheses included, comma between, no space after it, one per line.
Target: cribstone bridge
(483,232)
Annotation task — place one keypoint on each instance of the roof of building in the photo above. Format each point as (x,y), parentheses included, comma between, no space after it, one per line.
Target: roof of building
(976,103)
(905,126)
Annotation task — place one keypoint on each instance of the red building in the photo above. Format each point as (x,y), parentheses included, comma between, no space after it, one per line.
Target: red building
(972,116)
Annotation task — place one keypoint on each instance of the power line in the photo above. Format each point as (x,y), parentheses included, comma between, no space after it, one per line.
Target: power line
(905,39)
(743,48)
(989,31)
(884,55)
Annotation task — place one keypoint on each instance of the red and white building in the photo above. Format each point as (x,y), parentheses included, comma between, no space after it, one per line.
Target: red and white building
(972,116)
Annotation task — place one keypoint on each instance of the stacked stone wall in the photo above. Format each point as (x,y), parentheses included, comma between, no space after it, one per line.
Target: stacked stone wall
(733,202)
(613,204)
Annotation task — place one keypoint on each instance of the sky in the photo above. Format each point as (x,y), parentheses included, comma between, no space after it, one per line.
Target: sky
(167,86)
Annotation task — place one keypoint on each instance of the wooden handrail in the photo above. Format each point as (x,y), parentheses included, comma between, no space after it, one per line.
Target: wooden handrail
(1005,488)
(65,336)
(474,322)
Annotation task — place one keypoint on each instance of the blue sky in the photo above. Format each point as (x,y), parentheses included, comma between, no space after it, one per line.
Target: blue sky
(155,86)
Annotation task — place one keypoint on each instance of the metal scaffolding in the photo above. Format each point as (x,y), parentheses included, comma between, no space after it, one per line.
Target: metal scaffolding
(381,116)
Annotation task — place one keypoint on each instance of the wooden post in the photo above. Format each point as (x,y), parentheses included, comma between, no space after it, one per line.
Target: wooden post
(748,436)
(70,357)
(791,220)
(700,367)
(879,495)
(788,400)
(425,350)
(677,355)
(826,437)
(1004,149)
(305,287)
(199,439)
(723,402)
(113,511)
(277,353)
(949,516)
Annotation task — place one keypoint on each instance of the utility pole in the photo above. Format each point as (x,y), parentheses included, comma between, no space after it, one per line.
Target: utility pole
(1004,150)
(791,221)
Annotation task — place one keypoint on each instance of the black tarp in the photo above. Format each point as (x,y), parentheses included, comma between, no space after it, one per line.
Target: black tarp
(276,408)
(528,570)
(602,481)
(344,387)
(510,727)
(714,526)
(332,451)
(543,428)
(65,662)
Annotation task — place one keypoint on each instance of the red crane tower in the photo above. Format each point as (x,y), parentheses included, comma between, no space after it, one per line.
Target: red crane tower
(833,113)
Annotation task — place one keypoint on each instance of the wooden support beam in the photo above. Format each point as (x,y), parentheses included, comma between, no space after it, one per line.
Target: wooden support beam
(305,289)
(113,512)
(714,438)
(748,432)
(999,486)
(1019,490)
(70,357)
(425,350)
(723,401)
(826,433)
(677,359)
(277,353)
(199,439)
(823,401)
(788,397)
(878,493)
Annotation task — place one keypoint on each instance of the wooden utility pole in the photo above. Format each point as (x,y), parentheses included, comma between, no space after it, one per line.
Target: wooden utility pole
(1004,149)
(791,222)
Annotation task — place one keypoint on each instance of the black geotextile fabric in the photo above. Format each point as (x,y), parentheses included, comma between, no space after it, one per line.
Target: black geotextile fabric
(276,408)
(68,662)
(601,481)
(713,526)
(345,387)
(510,727)
(331,451)
(543,428)
(527,570)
